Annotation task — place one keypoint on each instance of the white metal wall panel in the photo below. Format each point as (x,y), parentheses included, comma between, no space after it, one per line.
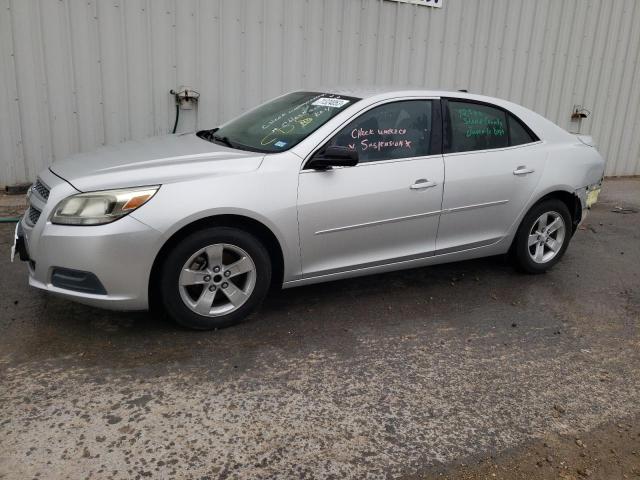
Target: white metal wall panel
(12,164)
(76,74)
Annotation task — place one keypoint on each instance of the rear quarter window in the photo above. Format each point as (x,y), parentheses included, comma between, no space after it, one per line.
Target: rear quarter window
(519,134)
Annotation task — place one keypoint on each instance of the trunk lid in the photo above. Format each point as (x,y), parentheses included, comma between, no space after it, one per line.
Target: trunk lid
(586,139)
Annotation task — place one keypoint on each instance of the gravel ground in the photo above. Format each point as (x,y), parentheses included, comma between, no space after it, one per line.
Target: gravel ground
(464,370)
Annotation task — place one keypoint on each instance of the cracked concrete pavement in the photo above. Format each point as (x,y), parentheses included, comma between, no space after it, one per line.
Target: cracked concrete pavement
(383,377)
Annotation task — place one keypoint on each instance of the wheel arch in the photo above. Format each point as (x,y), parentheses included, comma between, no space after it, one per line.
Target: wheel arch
(248,224)
(570,199)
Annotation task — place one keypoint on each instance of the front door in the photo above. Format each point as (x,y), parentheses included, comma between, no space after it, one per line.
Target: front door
(386,208)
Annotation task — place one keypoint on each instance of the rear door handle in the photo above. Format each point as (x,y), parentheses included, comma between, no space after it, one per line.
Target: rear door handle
(523,170)
(422,183)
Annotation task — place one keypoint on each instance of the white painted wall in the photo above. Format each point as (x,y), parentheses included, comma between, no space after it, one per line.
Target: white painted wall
(75,74)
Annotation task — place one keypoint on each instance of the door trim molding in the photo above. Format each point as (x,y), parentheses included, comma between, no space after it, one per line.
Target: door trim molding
(378,222)
(474,206)
(411,217)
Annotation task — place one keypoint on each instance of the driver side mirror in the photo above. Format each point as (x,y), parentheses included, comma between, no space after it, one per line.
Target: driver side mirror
(333,156)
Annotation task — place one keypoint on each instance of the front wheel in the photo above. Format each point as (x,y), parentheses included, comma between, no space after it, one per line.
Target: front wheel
(214,278)
(543,236)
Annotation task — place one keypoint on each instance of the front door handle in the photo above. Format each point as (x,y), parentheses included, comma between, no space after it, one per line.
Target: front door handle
(523,170)
(422,183)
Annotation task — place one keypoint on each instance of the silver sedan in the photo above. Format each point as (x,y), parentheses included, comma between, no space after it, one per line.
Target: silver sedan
(309,187)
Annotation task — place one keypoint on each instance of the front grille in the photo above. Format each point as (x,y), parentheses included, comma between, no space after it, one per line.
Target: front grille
(41,190)
(33,215)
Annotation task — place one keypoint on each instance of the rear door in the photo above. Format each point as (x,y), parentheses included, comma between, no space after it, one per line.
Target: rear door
(493,163)
(386,208)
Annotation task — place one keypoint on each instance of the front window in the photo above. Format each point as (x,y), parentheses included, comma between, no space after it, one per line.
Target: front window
(389,132)
(281,123)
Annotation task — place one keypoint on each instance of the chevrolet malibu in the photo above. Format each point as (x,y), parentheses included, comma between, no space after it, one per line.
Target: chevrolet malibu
(309,187)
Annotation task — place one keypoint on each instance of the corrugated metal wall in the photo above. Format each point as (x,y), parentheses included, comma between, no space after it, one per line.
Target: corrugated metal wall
(79,73)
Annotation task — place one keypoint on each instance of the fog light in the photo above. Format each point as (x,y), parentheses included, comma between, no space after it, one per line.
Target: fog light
(77,280)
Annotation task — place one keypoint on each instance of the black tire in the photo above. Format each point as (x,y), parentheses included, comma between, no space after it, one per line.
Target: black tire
(181,253)
(520,252)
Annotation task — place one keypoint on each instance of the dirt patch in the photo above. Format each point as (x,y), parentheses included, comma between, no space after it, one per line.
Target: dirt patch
(12,205)
(609,452)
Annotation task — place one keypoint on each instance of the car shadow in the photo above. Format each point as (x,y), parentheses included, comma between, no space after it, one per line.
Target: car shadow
(305,317)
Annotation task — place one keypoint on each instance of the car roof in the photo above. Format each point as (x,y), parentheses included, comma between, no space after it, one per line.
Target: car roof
(375,93)
(377,90)
(542,127)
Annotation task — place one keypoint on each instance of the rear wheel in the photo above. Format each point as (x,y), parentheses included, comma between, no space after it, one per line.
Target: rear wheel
(543,236)
(215,277)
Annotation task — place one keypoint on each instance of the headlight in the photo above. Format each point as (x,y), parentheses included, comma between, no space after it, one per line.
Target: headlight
(98,208)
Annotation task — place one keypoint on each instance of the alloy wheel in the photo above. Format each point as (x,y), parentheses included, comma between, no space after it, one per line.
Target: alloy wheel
(546,237)
(217,279)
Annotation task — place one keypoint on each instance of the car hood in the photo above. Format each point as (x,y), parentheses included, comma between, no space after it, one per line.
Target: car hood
(152,161)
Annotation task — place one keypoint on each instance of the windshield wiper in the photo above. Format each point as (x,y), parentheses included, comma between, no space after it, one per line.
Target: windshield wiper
(209,136)
(223,140)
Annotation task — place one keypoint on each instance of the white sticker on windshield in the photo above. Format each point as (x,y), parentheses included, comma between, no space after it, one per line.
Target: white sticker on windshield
(330,102)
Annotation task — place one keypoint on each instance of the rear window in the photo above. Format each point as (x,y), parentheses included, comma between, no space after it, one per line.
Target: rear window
(477,126)
(474,126)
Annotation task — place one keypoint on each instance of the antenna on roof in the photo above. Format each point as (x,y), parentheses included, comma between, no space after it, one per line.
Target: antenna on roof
(464,90)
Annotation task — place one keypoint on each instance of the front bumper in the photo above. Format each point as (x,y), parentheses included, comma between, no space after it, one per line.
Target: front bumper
(119,254)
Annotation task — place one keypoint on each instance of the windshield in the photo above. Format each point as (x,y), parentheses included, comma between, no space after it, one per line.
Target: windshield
(281,123)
